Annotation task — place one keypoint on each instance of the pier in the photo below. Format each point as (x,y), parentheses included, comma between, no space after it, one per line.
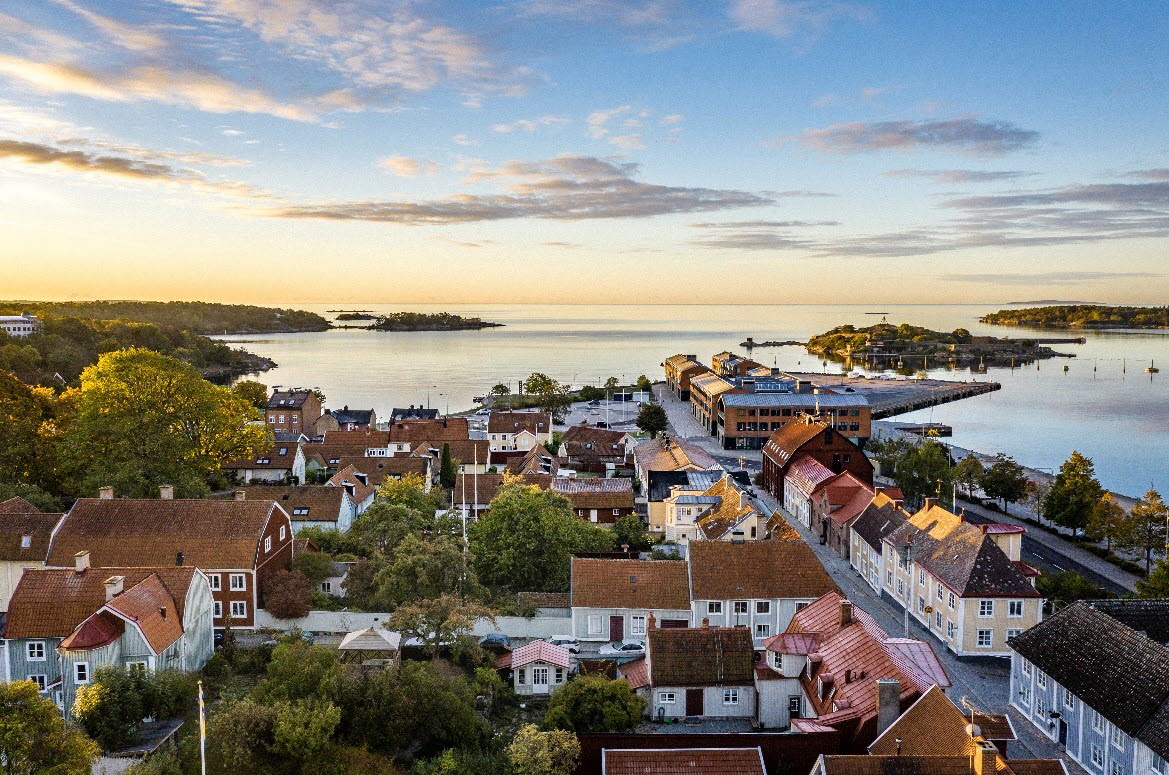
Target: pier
(891,397)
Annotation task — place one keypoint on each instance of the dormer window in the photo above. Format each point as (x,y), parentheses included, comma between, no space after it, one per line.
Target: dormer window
(283,451)
(263,460)
(300,511)
(25,542)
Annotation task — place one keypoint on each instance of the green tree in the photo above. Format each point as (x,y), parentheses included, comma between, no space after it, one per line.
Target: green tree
(239,738)
(409,491)
(314,566)
(887,452)
(438,621)
(532,752)
(1068,587)
(304,729)
(24,455)
(611,384)
(540,384)
(297,670)
(34,739)
(644,385)
(424,567)
(1107,520)
(923,471)
(652,419)
(144,419)
(1005,480)
(255,393)
(1074,494)
(1144,529)
(500,390)
(590,393)
(287,594)
(592,703)
(628,531)
(111,708)
(448,469)
(1156,584)
(968,473)
(383,526)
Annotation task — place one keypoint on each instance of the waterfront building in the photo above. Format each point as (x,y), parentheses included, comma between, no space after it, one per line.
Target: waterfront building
(705,390)
(19,326)
(728,365)
(745,420)
(867,533)
(519,431)
(680,369)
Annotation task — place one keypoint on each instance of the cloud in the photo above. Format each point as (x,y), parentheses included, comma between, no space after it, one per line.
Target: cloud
(796,193)
(558,244)
(627,142)
(963,135)
(38,154)
(158,154)
(784,19)
(761,224)
(756,235)
(406,167)
(870,93)
(1154,194)
(598,120)
(959,176)
(530,124)
(1046,278)
(128,36)
(826,99)
(464,139)
(1161,173)
(673,118)
(566,188)
(653,25)
(231,132)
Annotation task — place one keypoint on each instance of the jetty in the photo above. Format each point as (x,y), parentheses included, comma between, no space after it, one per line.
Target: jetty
(891,397)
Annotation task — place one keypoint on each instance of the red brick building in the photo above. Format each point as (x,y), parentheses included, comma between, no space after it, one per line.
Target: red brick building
(295,411)
(819,440)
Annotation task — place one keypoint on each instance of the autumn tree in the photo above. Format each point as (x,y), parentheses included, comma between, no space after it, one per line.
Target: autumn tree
(26,454)
(1073,494)
(1156,584)
(438,621)
(34,738)
(255,393)
(533,752)
(287,594)
(144,419)
(968,473)
(409,491)
(1106,522)
(1144,529)
(652,419)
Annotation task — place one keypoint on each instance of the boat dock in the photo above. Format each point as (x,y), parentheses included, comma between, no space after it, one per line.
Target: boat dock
(891,397)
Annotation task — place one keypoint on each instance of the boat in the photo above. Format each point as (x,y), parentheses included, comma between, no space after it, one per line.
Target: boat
(1152,368)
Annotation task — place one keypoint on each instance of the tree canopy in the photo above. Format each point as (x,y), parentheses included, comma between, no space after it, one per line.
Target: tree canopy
(1005,480)
(34,739)
(652,419)
(593,703)
(1073,494)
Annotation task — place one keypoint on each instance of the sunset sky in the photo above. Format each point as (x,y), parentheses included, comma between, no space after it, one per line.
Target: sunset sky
(723,151)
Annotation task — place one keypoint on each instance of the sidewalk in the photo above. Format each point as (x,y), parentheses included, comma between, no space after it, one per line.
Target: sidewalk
(684,425)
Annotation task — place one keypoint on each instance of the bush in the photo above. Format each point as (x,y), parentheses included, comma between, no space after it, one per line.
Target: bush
(287,595)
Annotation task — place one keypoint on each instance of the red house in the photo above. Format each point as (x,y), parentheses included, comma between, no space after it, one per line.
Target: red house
(827,445)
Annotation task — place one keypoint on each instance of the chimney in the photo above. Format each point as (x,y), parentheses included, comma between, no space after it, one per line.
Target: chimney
(650,621)
(179,559)
(166,492)
(929,503)
(985,758)
(240,495)
(106,493)
(888,703)
(845,612)
(162,611)
(705,622)
(81,561)
(114,586)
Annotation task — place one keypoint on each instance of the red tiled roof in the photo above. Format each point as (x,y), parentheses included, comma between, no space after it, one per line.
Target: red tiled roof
(486,486)
(807,473)
(786,442)
(323,503)
(349,475)
(723,570)
(635,673)
(648,584)
(279,456)
(149,605)
(541,651)
(16,526)
(701,656)
(683,761)
(378,469)
(17,505)
(847,496)
(438,429)
(515,422)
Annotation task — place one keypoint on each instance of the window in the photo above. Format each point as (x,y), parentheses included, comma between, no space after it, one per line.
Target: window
(560,675)
(81,672)
(939,590)
(1040,705)
(740,608)
(900,588)
(950,601)
(1025,667)
(1069,699)
(218,610)
(35,650)
(1117,737)
(1013,632)
(616,512)
(594,624)
(985,608)
(637,625)
(794,705)
(762,606)
(238,582)
(762,630)
(1116,768)
(950,630)
(40,680)
(521,676)
(215,580)
(1097,722)
(239,609)
(714,607)
(1025,695)
(730,696)
(540,676)
(1015,609)
(282,533)
(801,606)
(1158,765)
(920,605)
(267,544)
(985,639)
(25,541)
(889,576)
(938,619)
(1041,679)
(1097,756)
(137,666)
(920,576)
(326,587)
(666,698)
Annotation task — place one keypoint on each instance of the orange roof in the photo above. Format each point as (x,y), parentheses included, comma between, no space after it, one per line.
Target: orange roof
(31,527)
(649,584)
(308,502)
(847,496)
(378,469)
(721,570)
(785,442)
(485,487)
(683,761)
(280,455)
(932,726)
(438,429)
(352,475)
(149,605)
(17,505)
(732,508)
(807,473)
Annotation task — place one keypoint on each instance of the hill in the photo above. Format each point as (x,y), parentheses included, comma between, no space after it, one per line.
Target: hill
(1082,316)
(198,317)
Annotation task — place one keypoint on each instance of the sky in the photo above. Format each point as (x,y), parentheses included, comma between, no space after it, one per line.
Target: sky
(584,151)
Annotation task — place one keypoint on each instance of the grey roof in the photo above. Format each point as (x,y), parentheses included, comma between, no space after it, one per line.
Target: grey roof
(1116,670)
(967,561)
(356,416)
(698,499)
(660,482)
(413,413)
(876,522)
(825,400)
(288,399)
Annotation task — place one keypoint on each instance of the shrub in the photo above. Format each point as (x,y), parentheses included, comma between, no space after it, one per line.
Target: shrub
(287,595)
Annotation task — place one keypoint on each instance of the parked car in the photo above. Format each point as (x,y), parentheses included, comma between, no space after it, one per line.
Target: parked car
(623,648)
(496,641)
(567,641)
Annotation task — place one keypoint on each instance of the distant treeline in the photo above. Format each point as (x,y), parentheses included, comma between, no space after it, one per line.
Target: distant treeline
(419,321)
(68,345)
(1082,316)
(197,317)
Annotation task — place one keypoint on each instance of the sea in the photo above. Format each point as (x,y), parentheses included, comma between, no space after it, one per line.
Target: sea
(1102,402)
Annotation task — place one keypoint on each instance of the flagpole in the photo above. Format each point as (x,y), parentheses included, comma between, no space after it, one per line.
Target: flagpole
(202,733)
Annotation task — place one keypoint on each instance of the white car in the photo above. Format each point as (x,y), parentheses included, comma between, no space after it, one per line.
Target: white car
(623,648)
(567,641)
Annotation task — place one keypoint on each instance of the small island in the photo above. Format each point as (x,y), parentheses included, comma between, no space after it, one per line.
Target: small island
(357,316)
(886,345)
(1098,316)
(420,321)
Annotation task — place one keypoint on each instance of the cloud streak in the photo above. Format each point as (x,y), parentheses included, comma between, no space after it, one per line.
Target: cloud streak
(406,167)
(962,135)
(786,18)
(959,176)
(1047,278)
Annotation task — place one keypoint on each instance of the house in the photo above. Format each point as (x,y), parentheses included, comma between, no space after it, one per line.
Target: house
(376,469)
(66,623)
(345,419)
(745,420)
(836,503)
(537,460)
(667,453)
(371,647)
(722,512)
(835,667)
(474,492)
(1095,678)
(310,505)
(358,486)
(436,429)
(595,450)
(601,501)
(680,369)
(334,584)
(867,534)
(519,430)
(661,486)
(282,462)
(20,326)
(803,476)
(819,440)
(413,413)
(537,668)
(296,410)
(683,761)
(470,455)
(611,599)
(727,364)
(24,542)
(705,390)
(237,544)
(757,585)
(359,443)
(959,582)
(701,672)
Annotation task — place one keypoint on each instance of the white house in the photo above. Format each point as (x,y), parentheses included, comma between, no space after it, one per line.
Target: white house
(20,325)
(519,431)
(866,538)
(538,668)
(613,599)
(803,476)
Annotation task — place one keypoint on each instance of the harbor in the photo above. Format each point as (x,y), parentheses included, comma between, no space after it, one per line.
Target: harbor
(890,396)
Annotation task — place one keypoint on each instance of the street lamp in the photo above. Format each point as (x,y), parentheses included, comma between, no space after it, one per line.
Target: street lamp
(906,552)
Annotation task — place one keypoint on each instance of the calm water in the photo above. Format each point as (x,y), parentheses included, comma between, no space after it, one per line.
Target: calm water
(1118,419)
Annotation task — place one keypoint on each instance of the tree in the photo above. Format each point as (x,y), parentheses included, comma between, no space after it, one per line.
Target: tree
(1005,480)
(448,470)
(24,455)
(1156,584)
(1107,520)
(144,419)
(1074,494)
(287,595)
(540,384)
(409,491)
(1037,490)
(439,621)
(111,708)
(628,531)
(968,473)
(304,728)
(652,419)
(611,384)
(1144,529)
(923,471)
(500,390)
(1068,587)
(424,567)
(314,566)
(383,526)
(533,752)
(644,385)
(255,393)
(34,739)
(887,452)
(590,393)
(591,704)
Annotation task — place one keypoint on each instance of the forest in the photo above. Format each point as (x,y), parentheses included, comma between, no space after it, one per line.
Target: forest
(1082,316)
(198,317)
